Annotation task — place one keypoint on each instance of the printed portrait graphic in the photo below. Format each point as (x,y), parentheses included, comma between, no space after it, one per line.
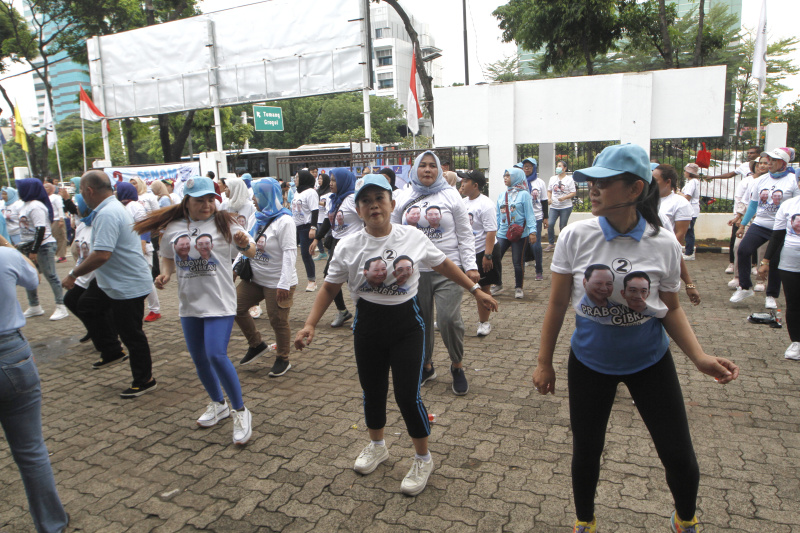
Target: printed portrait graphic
(375,271)
(182,246)
(403,269)
(204,245)
(636,289)
(413,214)
(434,216)
(795,224)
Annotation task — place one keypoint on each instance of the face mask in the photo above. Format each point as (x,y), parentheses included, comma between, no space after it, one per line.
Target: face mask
(559,170)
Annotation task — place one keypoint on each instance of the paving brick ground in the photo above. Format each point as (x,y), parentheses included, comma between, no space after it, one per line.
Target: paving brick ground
(502,452)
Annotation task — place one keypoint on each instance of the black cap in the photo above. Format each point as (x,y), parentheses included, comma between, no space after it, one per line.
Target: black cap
(475,175)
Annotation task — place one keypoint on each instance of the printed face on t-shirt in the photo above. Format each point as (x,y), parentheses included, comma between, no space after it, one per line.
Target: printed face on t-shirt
(403,269)
(84,250)
(182,246)
(339,219)
(535,195)
(242,221)
(413,214)
(260,243)
(375,271)
(635,294)
(23,222)
(203,245)
(433,215)
(763,195)
(599,286)
(796,224)
(777,196)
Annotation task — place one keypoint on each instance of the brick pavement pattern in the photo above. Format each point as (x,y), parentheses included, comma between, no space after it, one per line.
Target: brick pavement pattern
(502,452)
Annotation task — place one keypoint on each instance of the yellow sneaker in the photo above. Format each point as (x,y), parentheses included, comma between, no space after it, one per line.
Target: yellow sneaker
(682,526)
(585,527)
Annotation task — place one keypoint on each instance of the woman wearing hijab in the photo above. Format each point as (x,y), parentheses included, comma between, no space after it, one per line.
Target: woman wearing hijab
(515,206)
(146,198)
(162,193)
(129,197)
(324,193)
(11,213)
(248,182)
(274,276)
(437,210)
(239,202)
(342,219)
(305,211)
(35,218)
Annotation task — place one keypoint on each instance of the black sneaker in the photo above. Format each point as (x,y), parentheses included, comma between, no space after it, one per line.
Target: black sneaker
(280,367)
(104,363)
(428,374)
(460,385)
(253,353)
(133,392)
(85,338)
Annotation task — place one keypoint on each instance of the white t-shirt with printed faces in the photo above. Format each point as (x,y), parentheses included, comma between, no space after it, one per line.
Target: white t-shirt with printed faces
(203,266)
(383,270)
(303,204)
(276,255)
(692,189)
(32,215)
(539,193)
(83,242)
(741,196)
(11,214)
(674,208)
(788,218)
(482,218)
(770,193)
(345,220)
(58,207)
(560,188)
(443,218)
(323,202)
(149,201)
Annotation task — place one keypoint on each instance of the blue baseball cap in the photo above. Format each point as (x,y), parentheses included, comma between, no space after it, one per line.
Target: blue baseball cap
(197,186)
(376,180)
(616,160)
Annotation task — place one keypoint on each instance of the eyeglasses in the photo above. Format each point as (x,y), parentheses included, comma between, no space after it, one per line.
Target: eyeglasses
(602,183)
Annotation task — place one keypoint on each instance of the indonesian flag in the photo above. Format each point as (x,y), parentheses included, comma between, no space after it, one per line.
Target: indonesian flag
(412,106)
(89,111)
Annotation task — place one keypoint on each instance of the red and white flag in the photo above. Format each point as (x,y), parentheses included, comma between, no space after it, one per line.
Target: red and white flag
(89,111)
(412,106)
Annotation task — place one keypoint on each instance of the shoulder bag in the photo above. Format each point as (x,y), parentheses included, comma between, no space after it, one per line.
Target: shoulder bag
(514,231)
(243,268)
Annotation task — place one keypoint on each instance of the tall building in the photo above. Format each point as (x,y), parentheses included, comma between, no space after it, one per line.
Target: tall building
(393,51)
(65,76)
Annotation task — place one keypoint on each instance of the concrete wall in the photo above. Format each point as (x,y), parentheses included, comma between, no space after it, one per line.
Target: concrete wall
(708,225)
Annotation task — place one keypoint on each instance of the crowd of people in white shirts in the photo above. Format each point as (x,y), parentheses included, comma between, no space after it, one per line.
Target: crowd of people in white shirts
(217,231)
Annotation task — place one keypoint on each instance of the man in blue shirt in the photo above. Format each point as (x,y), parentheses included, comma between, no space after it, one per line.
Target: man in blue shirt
(120,287)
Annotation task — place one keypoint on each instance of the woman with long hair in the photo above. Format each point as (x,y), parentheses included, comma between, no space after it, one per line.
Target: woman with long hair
(305,211)
(622,274)
(199,242)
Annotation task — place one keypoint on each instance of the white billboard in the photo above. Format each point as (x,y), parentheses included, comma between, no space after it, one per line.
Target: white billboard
(270,50)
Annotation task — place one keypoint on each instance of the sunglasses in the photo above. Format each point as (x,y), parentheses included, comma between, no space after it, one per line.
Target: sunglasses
(603,183)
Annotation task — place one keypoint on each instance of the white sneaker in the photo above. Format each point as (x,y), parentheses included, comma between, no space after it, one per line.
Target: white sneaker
(754,271)
(255,311)
(311,287)
(60,312)
(242,426)
(518,293)
(496,289)
(733,284)
(370,457)
(484,328)
(36,310)
(729,270)
(417,477)
(214,413)
(688,257)
(770,303)
(436,326)
(758,287)
(793,351)
(741,294)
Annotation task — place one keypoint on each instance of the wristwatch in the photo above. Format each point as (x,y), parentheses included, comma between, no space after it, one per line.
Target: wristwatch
(475,288)
(71,274)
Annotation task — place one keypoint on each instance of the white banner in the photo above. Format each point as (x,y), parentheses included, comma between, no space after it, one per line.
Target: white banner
(179,172)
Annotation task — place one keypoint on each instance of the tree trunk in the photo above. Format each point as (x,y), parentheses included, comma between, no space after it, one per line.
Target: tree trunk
(665,38)
(424,78)
(180,138)
(588,58)
(698,43)
(163,135)
(127,132)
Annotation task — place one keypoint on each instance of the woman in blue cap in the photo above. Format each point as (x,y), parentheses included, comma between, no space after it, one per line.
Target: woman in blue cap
(11,213)
(622,273)
(381,264)
(200,242)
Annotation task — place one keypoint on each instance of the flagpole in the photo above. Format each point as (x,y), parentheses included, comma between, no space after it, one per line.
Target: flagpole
(5,165)
(58,160)
(83,138)
(30,170)
(758,121)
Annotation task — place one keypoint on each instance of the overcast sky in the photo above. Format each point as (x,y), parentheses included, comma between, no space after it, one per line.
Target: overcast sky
(484,38)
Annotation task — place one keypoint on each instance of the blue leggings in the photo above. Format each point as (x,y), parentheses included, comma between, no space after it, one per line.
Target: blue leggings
(207,341)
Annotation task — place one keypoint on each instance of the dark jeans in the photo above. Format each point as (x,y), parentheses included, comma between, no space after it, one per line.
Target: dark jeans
(305,243)
(339,298)
(658,398)
(391,337)
(94,306)
(690,242)
(791,291)
(562,215)
(537,248)
(756,236)
(517,259)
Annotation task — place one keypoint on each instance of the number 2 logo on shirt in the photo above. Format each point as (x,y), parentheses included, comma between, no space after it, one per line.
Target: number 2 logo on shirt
(389,255)
(621,266)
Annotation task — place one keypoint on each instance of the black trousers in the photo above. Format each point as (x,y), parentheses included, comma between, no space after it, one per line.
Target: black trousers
(339,298)
(791,291)
(72,300)
(658,398)
(95,306)
(756,236)
(391,337)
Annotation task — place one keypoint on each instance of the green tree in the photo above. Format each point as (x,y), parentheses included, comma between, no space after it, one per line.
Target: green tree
(791,115)
(572,32)
(508,69)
